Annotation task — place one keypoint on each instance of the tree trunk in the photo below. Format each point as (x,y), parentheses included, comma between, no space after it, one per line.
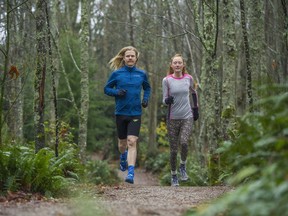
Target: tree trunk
(257,52)
(210,100)
(247,54)
(284,41)
(52,69)
(154,79)
(6,60)
(15,112)
(240,76)
(40,73)
(13,95)
(174,40)
(84,84)
(218,71)
(131,33)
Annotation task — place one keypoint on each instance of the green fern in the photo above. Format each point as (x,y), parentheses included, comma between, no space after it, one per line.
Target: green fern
(22,169)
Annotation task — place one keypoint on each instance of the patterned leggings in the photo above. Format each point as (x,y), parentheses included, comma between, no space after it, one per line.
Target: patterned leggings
(179,131)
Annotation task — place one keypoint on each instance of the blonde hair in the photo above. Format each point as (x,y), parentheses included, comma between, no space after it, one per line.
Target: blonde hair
(170,71)
(117,61)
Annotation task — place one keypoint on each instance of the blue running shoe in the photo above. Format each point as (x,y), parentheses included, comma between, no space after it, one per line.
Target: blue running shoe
(130,179)
(130,176)
(123,161)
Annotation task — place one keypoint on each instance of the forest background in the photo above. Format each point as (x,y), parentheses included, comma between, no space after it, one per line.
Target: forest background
(53,66)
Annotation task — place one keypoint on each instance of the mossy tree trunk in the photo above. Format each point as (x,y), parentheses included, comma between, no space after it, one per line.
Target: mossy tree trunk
(53,114)
(210,101)
(84,83)
(247,54)
(40,74)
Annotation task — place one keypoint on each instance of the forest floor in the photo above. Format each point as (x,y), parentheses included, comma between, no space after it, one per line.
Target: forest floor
(144,197)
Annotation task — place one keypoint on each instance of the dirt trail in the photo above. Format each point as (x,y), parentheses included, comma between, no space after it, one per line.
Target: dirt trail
(156,200)
(141,178)
(145,197)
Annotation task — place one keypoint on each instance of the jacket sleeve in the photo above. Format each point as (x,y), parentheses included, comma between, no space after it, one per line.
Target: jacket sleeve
(109,88)
(146,88)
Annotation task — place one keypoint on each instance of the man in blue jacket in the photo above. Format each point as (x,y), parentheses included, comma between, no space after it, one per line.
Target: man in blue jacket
(125,84)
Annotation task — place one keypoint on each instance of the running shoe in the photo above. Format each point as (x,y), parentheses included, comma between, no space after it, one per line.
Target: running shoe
(174,181)
(130,178)
(183,173)
(130,175)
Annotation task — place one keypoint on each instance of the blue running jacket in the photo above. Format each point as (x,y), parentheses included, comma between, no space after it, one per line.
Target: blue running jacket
(132,80)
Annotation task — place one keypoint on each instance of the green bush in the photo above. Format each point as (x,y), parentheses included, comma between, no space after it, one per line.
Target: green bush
(99,172)
(22,169)
(157,163)
(259,158)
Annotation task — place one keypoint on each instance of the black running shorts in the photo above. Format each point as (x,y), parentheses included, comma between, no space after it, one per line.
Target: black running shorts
(128,125)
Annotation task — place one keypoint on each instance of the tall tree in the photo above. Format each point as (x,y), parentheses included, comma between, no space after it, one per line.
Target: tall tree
(247,53)
(84,83)
(6,61)
(154,80)
(276,40)
(40,74)
(14,97)
(131,34)
(284,21)
(210,102)
(52,72)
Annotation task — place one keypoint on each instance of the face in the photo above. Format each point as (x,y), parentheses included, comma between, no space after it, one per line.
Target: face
(130,58)
(177,64)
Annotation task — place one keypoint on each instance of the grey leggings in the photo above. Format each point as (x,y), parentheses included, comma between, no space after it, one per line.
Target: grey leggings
(179,131)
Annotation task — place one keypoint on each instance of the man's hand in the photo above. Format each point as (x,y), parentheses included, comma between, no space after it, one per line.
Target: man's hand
(122,92)
(144,103)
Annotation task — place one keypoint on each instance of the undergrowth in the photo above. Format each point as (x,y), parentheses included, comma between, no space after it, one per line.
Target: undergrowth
(258,158)
(21,169)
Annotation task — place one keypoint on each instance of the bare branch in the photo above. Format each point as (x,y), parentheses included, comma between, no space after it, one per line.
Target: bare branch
(65,99)
(71,54)
(19,5)
(65,74)
(175,23)
(185,31)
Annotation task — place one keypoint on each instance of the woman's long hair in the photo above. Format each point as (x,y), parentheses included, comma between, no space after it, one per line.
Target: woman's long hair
(170,71)
(117,61)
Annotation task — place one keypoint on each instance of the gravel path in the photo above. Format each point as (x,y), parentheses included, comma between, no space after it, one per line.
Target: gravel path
(157,200)
(145,197)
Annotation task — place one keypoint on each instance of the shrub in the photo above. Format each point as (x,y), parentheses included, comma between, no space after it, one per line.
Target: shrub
(22,169)
(99,172)
(258,157)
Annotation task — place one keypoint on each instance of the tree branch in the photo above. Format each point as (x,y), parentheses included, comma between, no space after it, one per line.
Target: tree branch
(19,5)
(71,54)
(65,74)
(4,53)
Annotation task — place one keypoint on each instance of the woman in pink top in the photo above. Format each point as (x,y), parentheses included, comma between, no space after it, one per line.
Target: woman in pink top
(178,89)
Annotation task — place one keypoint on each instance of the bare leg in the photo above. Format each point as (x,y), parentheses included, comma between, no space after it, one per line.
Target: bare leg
(132,150)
